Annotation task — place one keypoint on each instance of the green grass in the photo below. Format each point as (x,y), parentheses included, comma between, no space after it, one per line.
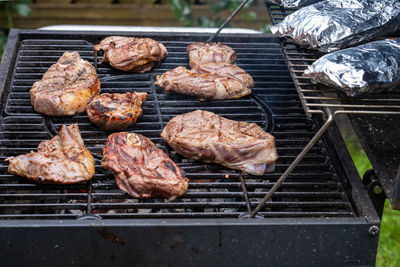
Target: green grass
(389,237)
(3,41)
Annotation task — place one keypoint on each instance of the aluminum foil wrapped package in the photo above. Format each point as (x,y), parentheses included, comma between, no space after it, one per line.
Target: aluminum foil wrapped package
(293,3)
(368,68)
(334,24)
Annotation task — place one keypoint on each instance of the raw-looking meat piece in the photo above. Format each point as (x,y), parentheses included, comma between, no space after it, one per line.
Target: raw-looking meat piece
(202,85)
(116,111)
(132,54)
(205,136)
(66,88)
(141,169)
(214,52)
(63,159)
(224,69)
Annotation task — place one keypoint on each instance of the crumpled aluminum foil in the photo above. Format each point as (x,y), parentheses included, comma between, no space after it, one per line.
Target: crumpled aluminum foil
(293,3)
(334,24)
(368,68)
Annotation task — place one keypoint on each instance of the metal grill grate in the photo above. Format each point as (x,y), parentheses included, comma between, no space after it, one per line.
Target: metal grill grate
(314,189)
(316,98)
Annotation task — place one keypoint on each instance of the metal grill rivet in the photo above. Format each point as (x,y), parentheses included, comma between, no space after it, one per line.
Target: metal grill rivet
(377,190)
(373,231)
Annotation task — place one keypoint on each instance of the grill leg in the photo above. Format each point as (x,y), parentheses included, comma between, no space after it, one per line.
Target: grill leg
(375,191)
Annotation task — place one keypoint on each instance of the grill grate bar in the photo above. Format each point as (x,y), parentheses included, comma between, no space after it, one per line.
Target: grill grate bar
(195,194)
(165,205)
(328,185)
(245,193)
(16,206)
(38,216)
(270,214)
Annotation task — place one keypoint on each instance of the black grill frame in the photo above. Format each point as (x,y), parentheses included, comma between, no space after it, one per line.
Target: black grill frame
(358,225)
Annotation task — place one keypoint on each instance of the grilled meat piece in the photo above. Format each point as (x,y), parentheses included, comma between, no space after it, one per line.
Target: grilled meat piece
(116,111)
(204,85)
(66,88)
(141,169)
(212,52)
(224,69)
(132,54)
(63,159)
(205,136)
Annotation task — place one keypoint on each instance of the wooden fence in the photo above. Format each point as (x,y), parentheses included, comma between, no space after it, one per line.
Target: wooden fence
(123,12)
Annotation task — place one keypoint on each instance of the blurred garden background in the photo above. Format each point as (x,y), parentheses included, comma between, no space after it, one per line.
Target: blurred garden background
(32,14)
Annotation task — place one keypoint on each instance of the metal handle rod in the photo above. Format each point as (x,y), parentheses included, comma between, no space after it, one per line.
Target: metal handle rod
(294,164)
(245,193)
(228,20)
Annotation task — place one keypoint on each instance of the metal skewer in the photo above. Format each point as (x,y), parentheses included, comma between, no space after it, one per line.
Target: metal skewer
(227,20)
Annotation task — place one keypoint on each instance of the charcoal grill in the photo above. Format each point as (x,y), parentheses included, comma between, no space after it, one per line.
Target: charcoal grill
(321,213)
(373,118)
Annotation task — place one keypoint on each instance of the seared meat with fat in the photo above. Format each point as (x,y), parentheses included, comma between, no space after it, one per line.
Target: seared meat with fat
(224,69)
(132,54)
(116,111)
(63,159)
(66,88)
(205,136)
(141,169)
(204,85)
(210,52)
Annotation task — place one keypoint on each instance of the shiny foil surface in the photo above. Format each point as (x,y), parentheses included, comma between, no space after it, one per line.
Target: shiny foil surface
(293,3)
(370,68)
(334,24)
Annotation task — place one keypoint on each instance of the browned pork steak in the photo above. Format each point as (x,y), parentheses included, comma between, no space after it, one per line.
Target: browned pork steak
(204,85)
(224,69)
(116,111)
(66,88)
(205,136)
(132,54)
(141,169)
(63,159)
(211,52)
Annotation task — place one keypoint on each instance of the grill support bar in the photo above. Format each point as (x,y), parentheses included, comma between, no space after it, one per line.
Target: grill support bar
(227,20)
